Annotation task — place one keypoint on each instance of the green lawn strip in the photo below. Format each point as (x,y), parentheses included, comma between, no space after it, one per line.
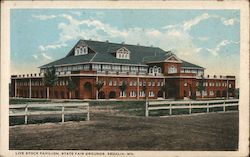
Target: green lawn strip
(25,101)
(232,108)
(216,109)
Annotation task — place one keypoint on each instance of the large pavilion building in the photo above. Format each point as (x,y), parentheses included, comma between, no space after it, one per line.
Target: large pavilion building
(147,72)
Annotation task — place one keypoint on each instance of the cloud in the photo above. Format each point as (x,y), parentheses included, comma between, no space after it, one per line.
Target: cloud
(168,37)
(35,57)
(215,51)
(46,56)
(203,38)
(44,17)
(229,22)
(187,25)
(78,13)
(52,46)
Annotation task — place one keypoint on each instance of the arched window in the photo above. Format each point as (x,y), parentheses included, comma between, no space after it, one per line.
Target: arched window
(159,70)
(155,69)
(172,69)
(151,70)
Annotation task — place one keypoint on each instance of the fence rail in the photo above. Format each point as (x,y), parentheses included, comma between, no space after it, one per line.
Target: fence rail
(160,105)
(47,109)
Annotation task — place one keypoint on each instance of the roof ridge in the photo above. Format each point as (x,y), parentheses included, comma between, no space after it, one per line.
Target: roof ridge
(120,43)
(93,57)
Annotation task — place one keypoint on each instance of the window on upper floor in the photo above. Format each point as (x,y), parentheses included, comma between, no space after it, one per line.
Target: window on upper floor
(81,50)
(123,53)
(172,69)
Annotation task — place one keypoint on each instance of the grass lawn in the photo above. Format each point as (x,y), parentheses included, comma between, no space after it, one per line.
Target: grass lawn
(215,131)
(125,108)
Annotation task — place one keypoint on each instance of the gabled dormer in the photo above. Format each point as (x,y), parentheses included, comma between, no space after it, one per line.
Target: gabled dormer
(173,59)
(122,53)
(81,49)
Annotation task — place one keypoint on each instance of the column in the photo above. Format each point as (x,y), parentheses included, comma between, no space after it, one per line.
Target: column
(164,92)
(15,90)
(96,95)
(30,88)
(138,82)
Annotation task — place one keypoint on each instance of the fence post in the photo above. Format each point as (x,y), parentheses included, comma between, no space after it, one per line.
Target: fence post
(190,109)
(146,108)
(62,113)
(224,107)
(88,112)
(207,107)
(26,115)
(170,109)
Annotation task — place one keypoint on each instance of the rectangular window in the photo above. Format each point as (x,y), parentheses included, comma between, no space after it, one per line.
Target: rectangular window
(122,94)
(135,83)
(134,68)
(149,83)
(125,68)
(110,83)
(211,92)
(153,83)
(106,67)
(130,83)
(96,66)
(151,94)
(158,84)
(116,67)
(132,94)
(140,83)
(142,94)
(114,84)
(198,93)
(86,67)
(204,93)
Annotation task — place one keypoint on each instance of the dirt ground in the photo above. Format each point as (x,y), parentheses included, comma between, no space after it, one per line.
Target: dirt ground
(214,131)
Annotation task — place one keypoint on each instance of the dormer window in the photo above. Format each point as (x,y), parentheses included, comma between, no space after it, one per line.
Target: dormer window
(123,53)
(81,50)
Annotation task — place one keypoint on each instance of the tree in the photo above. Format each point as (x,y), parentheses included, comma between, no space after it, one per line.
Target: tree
(50,78)
(231,91)
(71,86)
(123,87)
(165,88)
(201,86)
(98,86)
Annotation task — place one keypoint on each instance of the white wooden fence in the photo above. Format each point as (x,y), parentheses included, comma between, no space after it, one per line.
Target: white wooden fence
(159,105)
(47,109)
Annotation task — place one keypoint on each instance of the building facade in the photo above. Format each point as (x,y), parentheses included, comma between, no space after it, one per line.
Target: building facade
(126,72)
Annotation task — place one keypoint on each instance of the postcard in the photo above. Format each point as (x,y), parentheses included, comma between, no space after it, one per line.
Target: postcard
(124,78)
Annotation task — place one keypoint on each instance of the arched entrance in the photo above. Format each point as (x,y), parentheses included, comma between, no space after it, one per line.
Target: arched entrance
(87,90)
(218,93)
(112,95)
(160,94)
(101,95)
(224,93)
(185,93)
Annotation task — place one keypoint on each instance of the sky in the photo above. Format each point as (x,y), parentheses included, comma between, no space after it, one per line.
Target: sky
(209,38)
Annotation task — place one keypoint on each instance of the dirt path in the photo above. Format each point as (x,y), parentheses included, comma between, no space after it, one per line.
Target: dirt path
(215,131)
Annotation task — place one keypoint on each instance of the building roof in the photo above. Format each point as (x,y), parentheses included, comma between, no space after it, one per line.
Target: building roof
(104,52)
(186,64)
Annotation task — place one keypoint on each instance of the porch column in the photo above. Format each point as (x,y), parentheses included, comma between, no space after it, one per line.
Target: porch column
(138,82)
(30,88)
(96,94)
(164,92)
(227,88)
(15,90)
